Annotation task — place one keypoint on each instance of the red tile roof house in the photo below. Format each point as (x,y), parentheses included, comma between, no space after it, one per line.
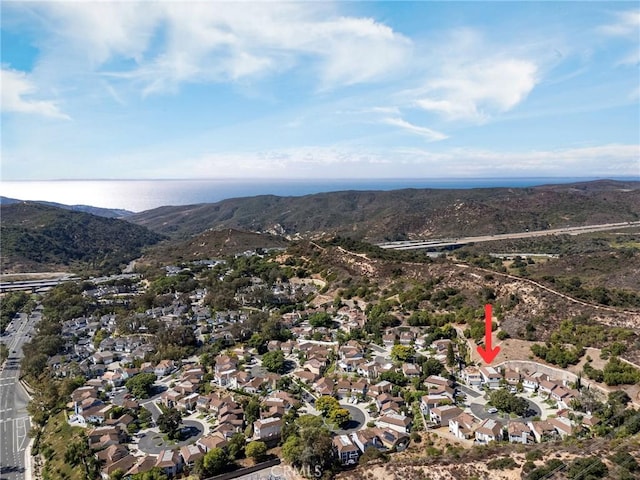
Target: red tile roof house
(489,431)
(366,438)
(211,441)
(170,462)
(441,415)
(191,453)
(519,433)
(563,426)
(399,423)
(543,431)
(472,376)
(435,381)
(463,426)
(346,451)
(511,377)
(115,457)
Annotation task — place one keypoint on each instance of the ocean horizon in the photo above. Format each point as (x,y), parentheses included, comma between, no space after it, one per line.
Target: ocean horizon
(140,195)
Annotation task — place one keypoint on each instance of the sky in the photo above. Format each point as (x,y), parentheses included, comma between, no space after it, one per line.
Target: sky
(146,90)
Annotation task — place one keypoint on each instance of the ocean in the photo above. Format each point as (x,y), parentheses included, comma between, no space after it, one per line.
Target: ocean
(140,195)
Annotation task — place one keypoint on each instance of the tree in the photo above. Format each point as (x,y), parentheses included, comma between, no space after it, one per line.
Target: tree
(339,416)
(214,462)
(589,468)
(451,356)
(141,385)
(402,353)
(274,361)
(169,423)
(236,446)
(432,366)
(504,400)
(325,404)
(320,319)
(310,448)
(256,450)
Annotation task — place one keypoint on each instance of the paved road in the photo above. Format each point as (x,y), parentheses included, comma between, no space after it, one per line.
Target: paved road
(420,244)
(480,411)
(14,420)
(153,441)
(357,421)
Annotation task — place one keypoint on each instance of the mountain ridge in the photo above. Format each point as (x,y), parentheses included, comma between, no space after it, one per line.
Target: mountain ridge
(406,213)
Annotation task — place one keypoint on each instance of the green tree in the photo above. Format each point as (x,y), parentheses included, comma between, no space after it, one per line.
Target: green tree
(140,386)
(169,423)
(326,404)
(506,401)
(214,462)
(451,356)
(320,319)
(310,448)
(339,416)
(274,361)
(589,468)
(236,446)
(256,450)
(402,353)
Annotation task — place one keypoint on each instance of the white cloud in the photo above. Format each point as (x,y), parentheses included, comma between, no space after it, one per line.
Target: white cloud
(627,25)
(427,133)
(350,162)
(169,44)
(18,91)
(477,90)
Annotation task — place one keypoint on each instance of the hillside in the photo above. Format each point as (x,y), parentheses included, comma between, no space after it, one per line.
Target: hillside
(100,212)
(36,237)
(409,213)
(211,244)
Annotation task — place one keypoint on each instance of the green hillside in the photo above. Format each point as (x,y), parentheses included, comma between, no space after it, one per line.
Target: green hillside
(410,213)
(37,237)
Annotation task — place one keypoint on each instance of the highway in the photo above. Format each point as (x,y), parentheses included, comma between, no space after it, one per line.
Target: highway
(14,420)
(452,242)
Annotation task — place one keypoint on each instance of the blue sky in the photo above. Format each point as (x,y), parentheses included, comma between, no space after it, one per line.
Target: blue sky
(319,89)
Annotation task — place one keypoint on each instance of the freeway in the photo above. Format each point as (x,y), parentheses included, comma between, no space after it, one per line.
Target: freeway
(453,242)
(14,420)
(34,285)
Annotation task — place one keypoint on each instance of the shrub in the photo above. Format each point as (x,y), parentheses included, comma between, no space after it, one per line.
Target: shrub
(505,463)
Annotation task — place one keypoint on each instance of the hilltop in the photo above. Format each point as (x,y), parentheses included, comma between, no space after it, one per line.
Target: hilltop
(406,214)
(37,237)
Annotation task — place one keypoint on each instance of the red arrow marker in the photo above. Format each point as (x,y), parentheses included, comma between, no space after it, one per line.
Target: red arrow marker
(487,353)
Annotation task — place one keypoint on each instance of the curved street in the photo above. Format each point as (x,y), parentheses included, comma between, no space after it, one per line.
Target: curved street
(152,442)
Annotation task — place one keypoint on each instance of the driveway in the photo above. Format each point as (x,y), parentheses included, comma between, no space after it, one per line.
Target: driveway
(469,392)
(153,441)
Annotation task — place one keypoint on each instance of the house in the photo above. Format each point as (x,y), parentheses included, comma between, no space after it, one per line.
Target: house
(490,377)
(211,441)
(463,426)
(530,384)
(543,430)
(411,370)
(306,376)
(472,376)
(389,339)
(267,428)
(191,453)
(436,381)
(489,430)
(143,465)
(519,432)
(562,425)
(393,439)
(511,377)
(164,367)
(346,451)
(428,402)
(367,438)
(407,338)
(399,423)
(441,415)
(170,462)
